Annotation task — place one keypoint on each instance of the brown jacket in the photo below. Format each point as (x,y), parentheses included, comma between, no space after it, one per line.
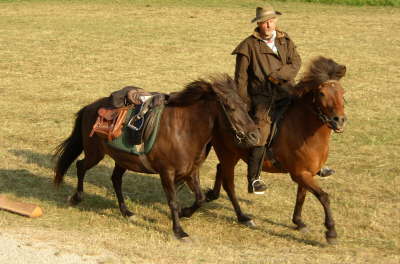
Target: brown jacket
(255,61)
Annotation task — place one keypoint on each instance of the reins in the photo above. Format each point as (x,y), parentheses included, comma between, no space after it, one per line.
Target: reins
(240,136)
(320,114)
(323,117)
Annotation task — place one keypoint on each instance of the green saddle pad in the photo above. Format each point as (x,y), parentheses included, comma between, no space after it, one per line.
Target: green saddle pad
(124,141)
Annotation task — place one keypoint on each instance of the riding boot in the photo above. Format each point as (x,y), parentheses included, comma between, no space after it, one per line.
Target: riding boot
(254,166)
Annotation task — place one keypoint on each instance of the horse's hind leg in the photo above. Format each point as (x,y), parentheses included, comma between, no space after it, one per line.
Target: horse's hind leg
(167,180)
(194,185)
(309,183)
(116,178)
(301,195)
(91,159)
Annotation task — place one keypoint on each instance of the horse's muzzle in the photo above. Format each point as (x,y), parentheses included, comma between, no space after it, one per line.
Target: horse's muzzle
(253,138)
(247,140)
(337,124)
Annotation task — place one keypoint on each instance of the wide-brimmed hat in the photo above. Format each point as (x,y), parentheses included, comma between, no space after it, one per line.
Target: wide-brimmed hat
(265,13)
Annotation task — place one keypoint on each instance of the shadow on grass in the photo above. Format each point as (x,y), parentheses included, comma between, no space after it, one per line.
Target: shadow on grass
(291,237)
(23,183)
(141,189)
(299,240)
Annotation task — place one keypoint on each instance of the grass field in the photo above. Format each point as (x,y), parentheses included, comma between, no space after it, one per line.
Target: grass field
(353,2)
(58,56)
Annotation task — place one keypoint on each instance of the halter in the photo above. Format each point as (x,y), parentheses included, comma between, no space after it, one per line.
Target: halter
(240,136)
(322,116)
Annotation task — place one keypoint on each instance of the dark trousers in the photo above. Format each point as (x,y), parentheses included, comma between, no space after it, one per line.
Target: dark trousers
(260,112)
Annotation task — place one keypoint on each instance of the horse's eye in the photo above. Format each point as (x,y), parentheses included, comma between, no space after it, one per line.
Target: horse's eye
(321,94)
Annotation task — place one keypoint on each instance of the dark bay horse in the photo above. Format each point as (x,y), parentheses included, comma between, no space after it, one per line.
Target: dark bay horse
(191,119)
(301,147)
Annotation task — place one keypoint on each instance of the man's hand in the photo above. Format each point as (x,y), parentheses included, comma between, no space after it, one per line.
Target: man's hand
(284,85)
(274,81)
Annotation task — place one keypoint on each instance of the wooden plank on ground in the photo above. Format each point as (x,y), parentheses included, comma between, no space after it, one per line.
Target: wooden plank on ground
(21,208)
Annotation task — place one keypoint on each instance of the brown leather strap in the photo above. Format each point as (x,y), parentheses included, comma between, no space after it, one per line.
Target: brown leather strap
(109,123)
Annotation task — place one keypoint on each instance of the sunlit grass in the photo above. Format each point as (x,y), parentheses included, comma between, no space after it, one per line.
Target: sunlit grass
(58,56)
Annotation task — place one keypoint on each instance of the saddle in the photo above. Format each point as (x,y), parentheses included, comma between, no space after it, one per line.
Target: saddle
(278,114)
(111,121)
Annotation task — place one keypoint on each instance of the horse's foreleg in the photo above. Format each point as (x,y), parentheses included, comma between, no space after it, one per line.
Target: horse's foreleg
(213,194)
(116,179)
(227,171)
(330,234)
(301,195)
(194,185)
(167,180)
(310,184)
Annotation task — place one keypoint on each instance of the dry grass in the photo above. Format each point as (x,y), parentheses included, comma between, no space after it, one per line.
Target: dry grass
(59,56)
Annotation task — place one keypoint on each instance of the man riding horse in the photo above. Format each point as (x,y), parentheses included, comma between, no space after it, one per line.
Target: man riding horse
(267,56)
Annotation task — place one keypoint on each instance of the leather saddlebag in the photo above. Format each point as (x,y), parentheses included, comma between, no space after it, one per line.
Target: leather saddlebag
(109,122)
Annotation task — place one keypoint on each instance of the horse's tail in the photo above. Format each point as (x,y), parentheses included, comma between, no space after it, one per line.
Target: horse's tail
(69,150)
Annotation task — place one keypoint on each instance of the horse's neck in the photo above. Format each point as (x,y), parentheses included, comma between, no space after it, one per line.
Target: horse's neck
(195,120)
(304,119)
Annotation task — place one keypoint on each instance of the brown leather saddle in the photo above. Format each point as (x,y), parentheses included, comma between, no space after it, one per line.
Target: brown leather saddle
(111,120)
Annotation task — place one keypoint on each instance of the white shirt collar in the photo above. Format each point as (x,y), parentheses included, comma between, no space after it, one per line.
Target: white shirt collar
(271,42)
(272,39)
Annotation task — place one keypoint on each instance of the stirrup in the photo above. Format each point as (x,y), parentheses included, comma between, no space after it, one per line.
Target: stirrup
(325,172)
(252,185)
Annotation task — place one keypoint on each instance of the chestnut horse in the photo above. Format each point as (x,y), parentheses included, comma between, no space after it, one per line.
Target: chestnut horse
(301,147)
(190,120)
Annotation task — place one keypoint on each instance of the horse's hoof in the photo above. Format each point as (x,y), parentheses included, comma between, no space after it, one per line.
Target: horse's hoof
(185,212)
(185,240)
(331,241)
(303,229)
(210,196)
(131,218)
(74,200)
(249,223)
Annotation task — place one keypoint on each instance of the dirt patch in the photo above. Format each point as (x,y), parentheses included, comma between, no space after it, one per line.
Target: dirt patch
(21,248)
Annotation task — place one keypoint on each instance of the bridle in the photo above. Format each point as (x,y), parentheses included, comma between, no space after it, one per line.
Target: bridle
(321,115)
(240,135)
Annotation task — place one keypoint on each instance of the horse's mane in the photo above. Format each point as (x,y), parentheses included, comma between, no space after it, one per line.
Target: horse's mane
(319,70)
(221,85)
